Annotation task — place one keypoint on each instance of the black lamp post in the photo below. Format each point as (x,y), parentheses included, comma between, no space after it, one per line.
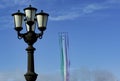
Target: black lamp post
(30,37)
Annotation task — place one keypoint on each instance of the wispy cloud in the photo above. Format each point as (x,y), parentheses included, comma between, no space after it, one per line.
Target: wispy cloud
(13,3)
(64,13)
(78,11)
(82,74)
(11,76)
(67,16)
(93,7)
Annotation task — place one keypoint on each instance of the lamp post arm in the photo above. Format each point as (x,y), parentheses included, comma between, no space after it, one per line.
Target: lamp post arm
(40,35)
(20,35)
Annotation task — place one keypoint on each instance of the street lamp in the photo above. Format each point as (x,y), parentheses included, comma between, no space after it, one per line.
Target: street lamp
(30,37)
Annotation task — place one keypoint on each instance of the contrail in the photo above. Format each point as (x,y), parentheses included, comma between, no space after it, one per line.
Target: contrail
(65,63)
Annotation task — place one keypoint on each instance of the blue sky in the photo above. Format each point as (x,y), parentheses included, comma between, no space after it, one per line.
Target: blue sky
(94,35)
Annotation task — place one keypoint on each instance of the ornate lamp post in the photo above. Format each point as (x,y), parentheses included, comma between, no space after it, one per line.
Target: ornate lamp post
(30,37)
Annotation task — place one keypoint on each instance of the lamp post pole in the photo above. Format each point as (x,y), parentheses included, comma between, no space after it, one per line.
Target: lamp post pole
(30,37)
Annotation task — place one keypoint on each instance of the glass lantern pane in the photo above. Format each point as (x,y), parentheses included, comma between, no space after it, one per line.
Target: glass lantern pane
(45,19)
(42,20)
(39,20)
(30,14)
(18,20)
(33,15)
